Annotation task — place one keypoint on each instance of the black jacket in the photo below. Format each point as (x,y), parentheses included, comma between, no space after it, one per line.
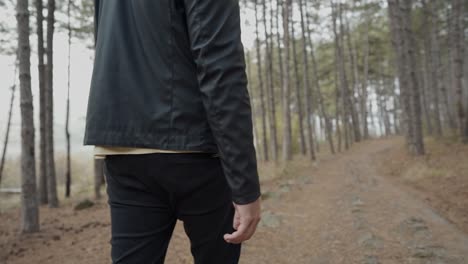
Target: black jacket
(170,74)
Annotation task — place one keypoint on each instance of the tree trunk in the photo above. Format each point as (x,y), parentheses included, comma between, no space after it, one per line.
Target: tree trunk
(252,99)
(400,22)
(425,71)
(398,45)
(371,114)
(415,89)
(340,71)
(458,56)
(338,114)
(349,93)
(364,93)
(8,126)
(425,93)
(447,89)
(435,75)
(396,107)
(354,77)
(260,84)
(29,203)
(279,5)
(300,114)
(269,89)
(67,120)
(307,87)
(98,177)
(323,111)
(43,199)
(49,96)
(384,109)
(287,148)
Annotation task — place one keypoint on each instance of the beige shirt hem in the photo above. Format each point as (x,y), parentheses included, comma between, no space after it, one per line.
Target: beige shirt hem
(100,152)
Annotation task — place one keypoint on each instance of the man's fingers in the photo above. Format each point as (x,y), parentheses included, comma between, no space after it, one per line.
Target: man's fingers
(236,221)
(238,235)
(251,230)
(245,232)
(246,219)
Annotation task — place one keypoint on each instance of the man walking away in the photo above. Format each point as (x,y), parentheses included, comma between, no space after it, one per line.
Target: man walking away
(169,111)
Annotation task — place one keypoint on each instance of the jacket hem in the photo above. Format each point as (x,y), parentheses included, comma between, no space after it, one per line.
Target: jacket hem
(150,140)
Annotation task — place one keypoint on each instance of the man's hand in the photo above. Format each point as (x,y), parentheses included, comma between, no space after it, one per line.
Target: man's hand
(246,219)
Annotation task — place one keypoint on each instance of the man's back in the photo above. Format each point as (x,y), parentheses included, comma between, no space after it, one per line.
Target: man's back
(170,75)
(145,71)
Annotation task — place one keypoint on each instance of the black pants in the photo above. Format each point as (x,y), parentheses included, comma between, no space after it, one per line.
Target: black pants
(148,193)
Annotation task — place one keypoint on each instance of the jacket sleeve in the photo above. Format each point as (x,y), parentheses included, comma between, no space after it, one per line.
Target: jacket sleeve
(215,39)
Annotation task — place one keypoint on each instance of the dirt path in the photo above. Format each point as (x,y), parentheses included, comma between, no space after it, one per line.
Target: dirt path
(340,211)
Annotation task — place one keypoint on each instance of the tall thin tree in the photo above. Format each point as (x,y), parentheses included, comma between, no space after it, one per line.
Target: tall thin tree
(287,131)
(365,79)
(49,102)
(29,203)
(306,83)
(341,73)
(260,85)
(321,101)
(415,89)
(348,91)
(270,83)
(300,114)
(404,46)
(67,115)
(252,100)
(436,75)
(279,6)
(43,193)
(458,55)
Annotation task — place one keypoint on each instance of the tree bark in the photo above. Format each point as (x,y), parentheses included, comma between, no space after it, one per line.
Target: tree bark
(29,203)
(321,101)
(458,56)
(269,88)
(307,87)
(279,6)
(400,22)
(261,87)
(349,92)
(43,199)
(354,77)
(300,113)
(252,101)
(49,100)
(423,79)
(400,14)
(98,177)
(364,93)
(287,148)
(67,120)
(383,106)
(272,97)
(435,75)
(338,111)
(341,72)
(396,107)
(447,92)
(418,141)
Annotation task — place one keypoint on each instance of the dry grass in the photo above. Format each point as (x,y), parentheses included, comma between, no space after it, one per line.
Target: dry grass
(82,179)
(440,177)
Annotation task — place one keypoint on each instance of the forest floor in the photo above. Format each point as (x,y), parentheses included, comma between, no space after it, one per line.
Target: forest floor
(371,204)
